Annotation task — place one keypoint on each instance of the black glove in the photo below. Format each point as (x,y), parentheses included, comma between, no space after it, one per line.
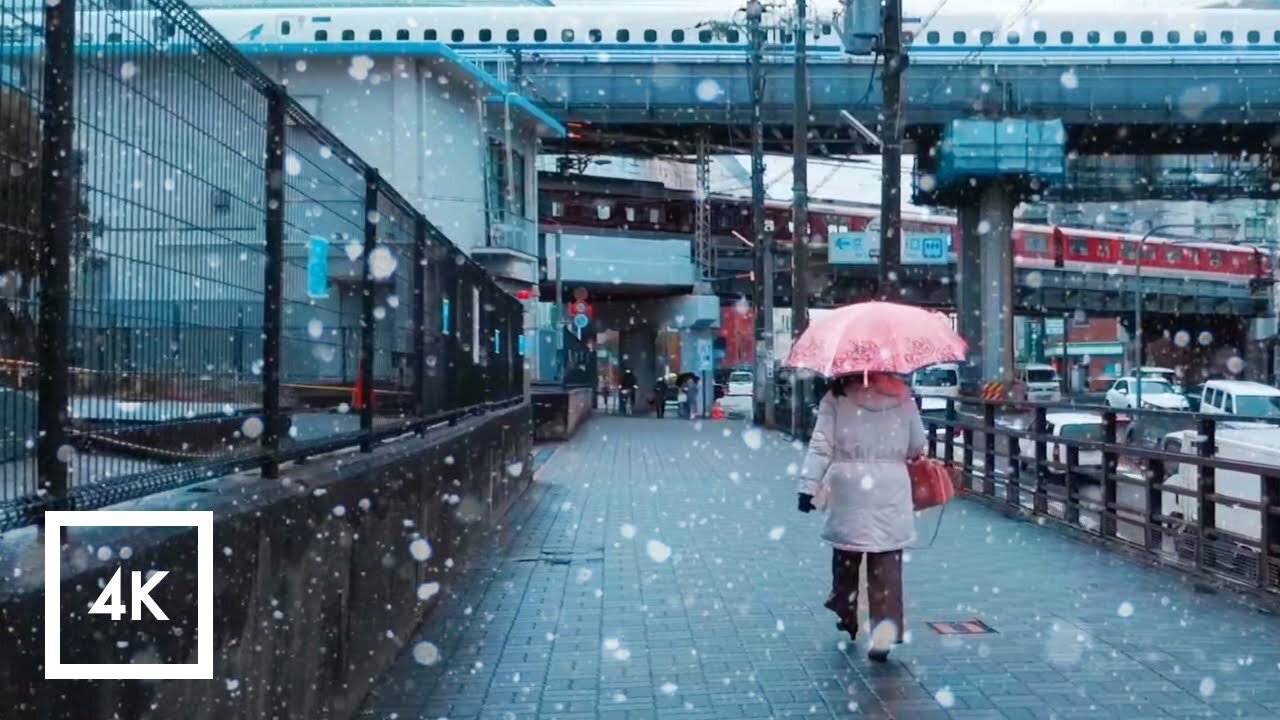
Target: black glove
(806,503)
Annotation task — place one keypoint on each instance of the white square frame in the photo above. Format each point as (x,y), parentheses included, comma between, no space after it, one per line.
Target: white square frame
(55,521)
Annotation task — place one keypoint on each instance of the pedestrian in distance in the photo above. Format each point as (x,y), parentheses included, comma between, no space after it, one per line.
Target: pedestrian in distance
(855,469)
(660,397)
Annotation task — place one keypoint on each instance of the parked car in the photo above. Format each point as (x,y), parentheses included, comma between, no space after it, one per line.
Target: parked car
(741,382)
(1239,397)
(1083,426)
(1160,373)
(942,380)
(1039,383)
(1156,395)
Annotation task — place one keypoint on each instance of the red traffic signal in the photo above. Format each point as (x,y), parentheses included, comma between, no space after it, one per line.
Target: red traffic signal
(524,295)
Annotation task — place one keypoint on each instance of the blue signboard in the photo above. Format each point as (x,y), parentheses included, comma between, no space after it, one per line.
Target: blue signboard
(497,341)
(853,248)
(317,267)
(444,316)
(926,248)
(520,341)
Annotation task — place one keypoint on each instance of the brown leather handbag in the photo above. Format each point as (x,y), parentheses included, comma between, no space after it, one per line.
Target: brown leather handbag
(933,482)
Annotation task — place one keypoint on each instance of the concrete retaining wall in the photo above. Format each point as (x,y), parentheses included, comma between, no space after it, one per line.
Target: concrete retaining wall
(311,602)
(558,413)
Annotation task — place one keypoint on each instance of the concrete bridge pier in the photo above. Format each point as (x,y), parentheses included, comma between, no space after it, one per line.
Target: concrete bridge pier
(984,281)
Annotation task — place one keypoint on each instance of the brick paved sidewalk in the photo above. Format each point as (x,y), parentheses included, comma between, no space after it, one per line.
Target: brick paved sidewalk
(659,569)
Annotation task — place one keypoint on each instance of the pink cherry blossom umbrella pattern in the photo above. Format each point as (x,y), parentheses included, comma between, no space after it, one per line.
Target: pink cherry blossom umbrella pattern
(876,337)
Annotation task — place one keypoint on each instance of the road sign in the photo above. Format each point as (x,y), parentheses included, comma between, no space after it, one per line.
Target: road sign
(580,321)
(1053,326)
(853,248)
(926,248)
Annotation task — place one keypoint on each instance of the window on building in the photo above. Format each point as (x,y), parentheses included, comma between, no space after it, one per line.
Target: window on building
(595,35)
(630,213)
(1067,37)
(1093,37)
(1254,37)
(322,35)
(348,34)
(513,35)
(1147,37)
(458,35)
(375,35)
(623,35)
(486,35)
(603,211)
(651,36)
(677,36)
(704,36)
(958,37)
(986,37)
(1228,37)
(557,208)
(540,35)
(429,34)
(1120,37)
(566,35)
(402,34)
(1013,37)
(932,37)
(1201,37)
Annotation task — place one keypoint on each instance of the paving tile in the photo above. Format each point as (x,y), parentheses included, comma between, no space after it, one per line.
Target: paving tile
(573,616)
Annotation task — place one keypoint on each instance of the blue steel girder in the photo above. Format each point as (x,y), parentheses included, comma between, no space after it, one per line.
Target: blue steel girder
(1186,105)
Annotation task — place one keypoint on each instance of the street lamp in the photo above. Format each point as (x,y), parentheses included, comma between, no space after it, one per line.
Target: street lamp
(1137,295)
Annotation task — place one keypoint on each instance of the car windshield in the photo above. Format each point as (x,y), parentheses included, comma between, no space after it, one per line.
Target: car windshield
(1042,376)
(1155,387)
(1091,432)
(1258,405)
(937,377)
(740,377)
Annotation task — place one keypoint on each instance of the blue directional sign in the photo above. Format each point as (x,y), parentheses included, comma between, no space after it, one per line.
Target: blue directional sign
(926,248)
(317,267)
(853,248)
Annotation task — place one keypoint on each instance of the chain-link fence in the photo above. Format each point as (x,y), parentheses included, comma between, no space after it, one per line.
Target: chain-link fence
(197,277)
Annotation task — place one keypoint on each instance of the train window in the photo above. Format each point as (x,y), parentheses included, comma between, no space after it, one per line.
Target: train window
(732,35)
(603,211)
(348,34)
(540,35)
(1079,246)
(1013,38)
(623,35)
(655,216)
(651,36)
(486,35)
(285,27)
(957,37)
(596,35)
(826,28)
(677,36)
(557,208)
(1036,243)
(1276,36)
(1067,37)
(1094,37)
(704,36)
(513,35)
(1173,255)
(1120,37)
(1215,258)
(402,34)
(1040,37)
(1254,37)
(932,37)
(630,213)
(566,35)
(1201,37)
(1174,37)
(322,35)
(1228,37)
(986,37)
(429,34)
(1147,37)
(375,34)
(458,35)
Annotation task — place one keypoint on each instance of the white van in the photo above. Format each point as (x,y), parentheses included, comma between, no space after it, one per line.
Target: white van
(1039,383)
(1240,397)
(941,380)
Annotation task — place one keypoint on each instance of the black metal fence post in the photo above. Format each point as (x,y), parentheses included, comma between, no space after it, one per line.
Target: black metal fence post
(1154,481)
(58,212)
(419,317)
(1270,535)
(989,449)
(273,284)
(1110,462)
(1205,488)
(368,330)
(1041,429)
(949,450)
(1072,509)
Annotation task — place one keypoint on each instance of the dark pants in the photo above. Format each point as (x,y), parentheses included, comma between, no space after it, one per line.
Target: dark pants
(660,403)
(884,588)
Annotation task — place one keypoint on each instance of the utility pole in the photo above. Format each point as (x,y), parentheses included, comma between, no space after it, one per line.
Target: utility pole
(762,270)
(891,151)
(800,211)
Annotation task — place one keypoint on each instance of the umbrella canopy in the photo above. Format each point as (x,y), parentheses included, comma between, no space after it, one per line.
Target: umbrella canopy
(876,337)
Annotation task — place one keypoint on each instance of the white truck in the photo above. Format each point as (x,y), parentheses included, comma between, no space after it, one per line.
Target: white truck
(1256,445)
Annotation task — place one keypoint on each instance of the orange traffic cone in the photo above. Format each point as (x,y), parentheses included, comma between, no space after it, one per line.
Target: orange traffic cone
(357,393)
(717,412)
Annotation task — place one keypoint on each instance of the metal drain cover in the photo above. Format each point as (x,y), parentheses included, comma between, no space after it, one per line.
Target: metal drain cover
(962,627)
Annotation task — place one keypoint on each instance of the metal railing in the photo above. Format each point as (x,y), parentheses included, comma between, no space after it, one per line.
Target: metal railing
(196,277)
(509,232)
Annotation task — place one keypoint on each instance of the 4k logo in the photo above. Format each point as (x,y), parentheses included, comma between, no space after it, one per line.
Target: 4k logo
(141,605)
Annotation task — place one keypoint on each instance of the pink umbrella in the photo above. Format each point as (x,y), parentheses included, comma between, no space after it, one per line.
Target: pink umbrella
(876,337)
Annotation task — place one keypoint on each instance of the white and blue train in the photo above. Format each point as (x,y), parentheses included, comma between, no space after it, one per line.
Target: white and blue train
(1212,36)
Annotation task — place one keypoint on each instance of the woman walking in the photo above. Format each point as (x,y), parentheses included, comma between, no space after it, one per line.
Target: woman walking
(867,428)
